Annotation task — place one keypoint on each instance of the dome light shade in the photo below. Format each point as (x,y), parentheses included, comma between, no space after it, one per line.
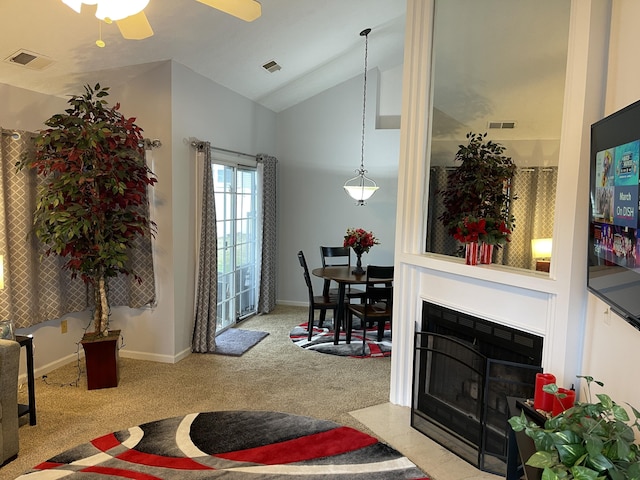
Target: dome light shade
(360,188)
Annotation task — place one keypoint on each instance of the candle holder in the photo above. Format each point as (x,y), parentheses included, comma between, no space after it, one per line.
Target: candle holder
(541,399)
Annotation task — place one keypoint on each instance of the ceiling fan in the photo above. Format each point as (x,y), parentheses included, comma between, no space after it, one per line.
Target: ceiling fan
(133,24)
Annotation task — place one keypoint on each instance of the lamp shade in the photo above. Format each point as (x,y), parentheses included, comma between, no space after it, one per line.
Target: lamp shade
(360,188)
(360,192)
(541,247)
(1,272)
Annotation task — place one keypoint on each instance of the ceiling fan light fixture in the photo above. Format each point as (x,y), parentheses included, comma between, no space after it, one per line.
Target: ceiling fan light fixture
(77,4)
(119,9)
(247,10)
(73,4)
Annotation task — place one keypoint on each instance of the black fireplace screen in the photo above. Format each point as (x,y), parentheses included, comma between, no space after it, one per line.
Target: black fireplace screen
(462,379)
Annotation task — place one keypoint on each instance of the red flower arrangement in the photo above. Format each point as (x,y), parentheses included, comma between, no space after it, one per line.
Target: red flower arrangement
(488,230)
(360,240)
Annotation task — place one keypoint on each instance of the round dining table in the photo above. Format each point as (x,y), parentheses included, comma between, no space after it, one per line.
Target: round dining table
(343,276)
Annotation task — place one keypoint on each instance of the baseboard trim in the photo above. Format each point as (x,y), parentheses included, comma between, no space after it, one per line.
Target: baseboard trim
(154,357)
(291,303)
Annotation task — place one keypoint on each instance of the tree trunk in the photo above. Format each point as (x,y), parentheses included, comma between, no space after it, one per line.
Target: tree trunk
(101,308)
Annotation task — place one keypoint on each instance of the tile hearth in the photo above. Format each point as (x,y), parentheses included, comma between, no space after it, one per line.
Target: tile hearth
(392,424)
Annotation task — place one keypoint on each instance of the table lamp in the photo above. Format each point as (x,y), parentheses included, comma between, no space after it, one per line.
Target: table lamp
(541,252)
(1,272)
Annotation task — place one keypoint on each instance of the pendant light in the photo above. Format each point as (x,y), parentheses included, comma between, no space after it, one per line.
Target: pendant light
(361,187)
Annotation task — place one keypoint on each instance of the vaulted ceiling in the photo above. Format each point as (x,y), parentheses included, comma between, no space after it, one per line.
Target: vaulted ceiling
(315,42)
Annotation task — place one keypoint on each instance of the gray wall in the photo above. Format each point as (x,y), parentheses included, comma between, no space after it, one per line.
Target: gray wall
(319,145)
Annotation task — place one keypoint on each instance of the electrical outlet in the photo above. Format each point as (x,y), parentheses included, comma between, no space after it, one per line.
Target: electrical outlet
(63,326)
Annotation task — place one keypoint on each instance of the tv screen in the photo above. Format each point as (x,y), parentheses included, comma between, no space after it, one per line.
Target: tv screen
(614,234)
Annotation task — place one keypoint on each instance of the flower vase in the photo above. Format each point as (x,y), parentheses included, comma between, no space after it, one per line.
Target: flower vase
(358,270)
(486,253)
(471,253)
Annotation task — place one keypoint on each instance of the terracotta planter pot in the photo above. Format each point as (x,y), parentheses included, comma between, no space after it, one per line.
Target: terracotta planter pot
(101,357)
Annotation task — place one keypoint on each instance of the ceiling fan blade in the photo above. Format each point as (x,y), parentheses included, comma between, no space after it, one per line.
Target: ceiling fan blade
(135,27)
(247,10)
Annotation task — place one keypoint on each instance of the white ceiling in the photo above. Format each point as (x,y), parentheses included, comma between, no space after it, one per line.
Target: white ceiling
(316,42)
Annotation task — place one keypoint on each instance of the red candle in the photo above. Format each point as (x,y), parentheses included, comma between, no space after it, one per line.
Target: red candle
(541,399)
(562,404)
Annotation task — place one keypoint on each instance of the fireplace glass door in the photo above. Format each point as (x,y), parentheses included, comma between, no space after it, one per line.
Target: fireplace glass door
(465,368)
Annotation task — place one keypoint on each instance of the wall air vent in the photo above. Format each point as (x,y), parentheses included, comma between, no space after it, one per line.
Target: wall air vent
(271,66)
(32,60)
(501,124)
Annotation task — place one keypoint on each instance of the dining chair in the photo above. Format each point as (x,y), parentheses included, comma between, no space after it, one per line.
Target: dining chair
(377,306)
(320,303)
(338,257)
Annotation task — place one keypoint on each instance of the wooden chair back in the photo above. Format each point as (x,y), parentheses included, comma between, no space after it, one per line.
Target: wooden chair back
(335,256)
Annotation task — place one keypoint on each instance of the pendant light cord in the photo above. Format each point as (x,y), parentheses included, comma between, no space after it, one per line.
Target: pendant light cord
(364,33)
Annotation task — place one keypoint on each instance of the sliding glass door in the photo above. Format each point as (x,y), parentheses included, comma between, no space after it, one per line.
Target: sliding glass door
(236,209)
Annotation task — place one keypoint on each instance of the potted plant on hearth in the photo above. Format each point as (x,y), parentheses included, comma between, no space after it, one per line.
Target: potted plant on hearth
(476,199)
(92,201)
(589,441)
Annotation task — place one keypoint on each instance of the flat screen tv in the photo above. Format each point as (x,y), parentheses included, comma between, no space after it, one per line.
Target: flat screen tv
(614,233)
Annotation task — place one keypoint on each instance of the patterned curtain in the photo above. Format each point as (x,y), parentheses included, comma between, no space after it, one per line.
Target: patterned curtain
(534,208)
(267,176)
(438,240)
(37,289)
(534,193)
(206,311)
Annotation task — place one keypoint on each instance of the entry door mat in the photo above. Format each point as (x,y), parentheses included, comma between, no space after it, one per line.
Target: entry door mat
(322,341)
(235,341)
(232,445)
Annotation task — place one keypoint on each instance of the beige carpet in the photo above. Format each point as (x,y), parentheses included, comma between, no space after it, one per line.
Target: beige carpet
(274,375)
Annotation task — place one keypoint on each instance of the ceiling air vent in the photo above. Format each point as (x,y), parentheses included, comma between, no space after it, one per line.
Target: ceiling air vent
(501,124)
(271,66)
(27,59)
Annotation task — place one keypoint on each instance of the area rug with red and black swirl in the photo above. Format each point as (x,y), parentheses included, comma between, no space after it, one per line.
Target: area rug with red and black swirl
(322,341)
(231,445)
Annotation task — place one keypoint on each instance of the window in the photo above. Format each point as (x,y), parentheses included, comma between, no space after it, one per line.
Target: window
(236,211)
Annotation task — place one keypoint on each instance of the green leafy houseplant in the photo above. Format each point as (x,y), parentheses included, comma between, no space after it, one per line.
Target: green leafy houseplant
(478,190)
(91,202)
(589,441)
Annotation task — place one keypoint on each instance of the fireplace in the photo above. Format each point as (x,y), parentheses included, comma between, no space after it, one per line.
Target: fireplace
(464,369)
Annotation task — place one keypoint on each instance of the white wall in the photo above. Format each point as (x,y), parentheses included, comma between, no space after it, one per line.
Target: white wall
(144,331)
(26,110)
(148,333)
(553,307)
(208,112)
(319,147)
(171,103)
(612,346)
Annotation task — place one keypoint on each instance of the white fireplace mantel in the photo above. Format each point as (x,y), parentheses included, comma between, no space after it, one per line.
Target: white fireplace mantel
(553,307)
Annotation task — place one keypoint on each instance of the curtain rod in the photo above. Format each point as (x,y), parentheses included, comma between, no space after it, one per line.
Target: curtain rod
(199,144)
(147,142)
(12,133)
